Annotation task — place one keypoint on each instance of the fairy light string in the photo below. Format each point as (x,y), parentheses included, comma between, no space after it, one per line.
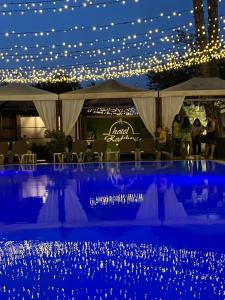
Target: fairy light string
(154,56)
(12,8)
(93,28)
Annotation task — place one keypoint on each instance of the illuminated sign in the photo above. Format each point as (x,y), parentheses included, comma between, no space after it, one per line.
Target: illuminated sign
(120,130)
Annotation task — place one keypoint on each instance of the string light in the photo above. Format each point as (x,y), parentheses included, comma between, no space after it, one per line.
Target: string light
(94,27)
(152,34)
(164,62)
(41,56)
(75,55)
(93,52)
(29,57)
(175,56)
(40,7)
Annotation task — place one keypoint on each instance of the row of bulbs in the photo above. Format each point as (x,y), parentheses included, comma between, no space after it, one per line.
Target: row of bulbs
(127,68)
(100,28)
(9,9)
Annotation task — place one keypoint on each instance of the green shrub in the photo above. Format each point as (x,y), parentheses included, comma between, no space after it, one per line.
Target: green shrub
(58,142)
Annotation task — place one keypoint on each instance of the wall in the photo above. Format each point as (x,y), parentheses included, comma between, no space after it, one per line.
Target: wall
(32,127)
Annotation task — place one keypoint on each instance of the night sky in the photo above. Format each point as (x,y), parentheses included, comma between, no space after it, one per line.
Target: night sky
(90,53)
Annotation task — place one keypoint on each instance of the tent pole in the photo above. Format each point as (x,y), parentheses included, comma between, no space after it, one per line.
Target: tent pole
(59,119)
(18,128)
(77,126)
(158,108)
(57,115)
(60,116)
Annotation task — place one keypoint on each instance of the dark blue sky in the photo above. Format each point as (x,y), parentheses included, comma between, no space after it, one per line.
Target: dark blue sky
(90,16)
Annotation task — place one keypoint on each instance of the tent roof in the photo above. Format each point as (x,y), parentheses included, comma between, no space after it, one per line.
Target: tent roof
(108,89)
(23,92)
(209,86)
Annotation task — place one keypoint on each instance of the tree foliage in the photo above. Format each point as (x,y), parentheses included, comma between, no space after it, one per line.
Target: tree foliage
(57,143)
(61,85)
(166,79)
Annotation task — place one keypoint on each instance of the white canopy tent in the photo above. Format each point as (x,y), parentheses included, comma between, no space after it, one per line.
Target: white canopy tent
(173,97)
(44,101)
(144,100)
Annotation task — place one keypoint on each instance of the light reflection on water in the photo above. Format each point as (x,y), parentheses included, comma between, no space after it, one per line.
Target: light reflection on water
(108,270)
(141,242)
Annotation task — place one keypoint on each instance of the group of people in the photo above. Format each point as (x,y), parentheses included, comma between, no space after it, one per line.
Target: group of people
(187,138)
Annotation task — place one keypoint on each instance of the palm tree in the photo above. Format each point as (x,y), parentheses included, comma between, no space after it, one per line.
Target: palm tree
(213,28)
(212,20)
(200,32)
(200,28)
(208,69)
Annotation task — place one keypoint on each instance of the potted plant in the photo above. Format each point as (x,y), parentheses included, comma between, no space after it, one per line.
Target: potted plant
(57,141)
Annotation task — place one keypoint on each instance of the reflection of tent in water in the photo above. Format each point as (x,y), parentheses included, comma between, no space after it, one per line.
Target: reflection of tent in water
(150,208)
(51,212)
(74,213)
(35,186)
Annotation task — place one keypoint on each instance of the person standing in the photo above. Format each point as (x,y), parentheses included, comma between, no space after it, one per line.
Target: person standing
(186,140)
(69,141)
(210,137)
(176,134)
(161,139)
(197,130)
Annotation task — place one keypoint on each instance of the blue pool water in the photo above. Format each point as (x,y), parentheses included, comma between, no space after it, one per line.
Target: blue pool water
(113,231)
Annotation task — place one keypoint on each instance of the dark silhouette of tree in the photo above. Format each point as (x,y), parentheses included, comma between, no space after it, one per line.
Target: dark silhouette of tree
(60,85)
(166,79)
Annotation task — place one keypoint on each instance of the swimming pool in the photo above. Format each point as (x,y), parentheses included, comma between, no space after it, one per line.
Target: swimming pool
(113,231)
